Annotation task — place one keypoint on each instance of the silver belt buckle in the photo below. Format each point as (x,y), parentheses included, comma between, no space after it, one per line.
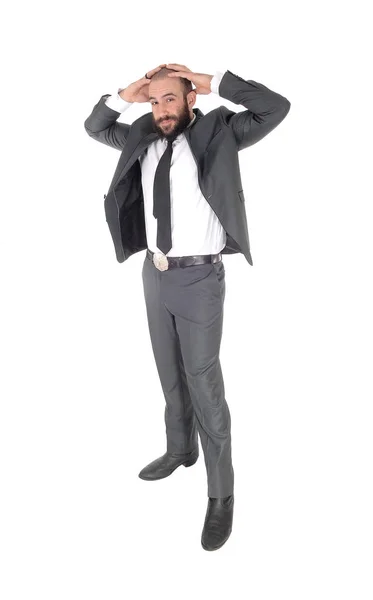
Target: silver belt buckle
(160,261)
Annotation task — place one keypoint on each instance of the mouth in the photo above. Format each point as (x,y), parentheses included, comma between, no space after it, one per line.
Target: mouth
(166,121)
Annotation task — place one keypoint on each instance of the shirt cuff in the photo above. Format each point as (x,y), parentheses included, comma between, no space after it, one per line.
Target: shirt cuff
(215,81)
(115,102)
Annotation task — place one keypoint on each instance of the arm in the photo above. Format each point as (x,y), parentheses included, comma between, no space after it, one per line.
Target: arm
(265,109)
(102,124)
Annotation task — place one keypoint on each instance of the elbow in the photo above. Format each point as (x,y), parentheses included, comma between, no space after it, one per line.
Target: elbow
(286,106)
(283,109)
(87,129)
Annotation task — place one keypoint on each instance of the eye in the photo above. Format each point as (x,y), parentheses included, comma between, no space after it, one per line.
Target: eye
(155,102)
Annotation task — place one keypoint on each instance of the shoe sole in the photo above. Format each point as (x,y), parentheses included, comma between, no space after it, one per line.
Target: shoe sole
(187,463)
(216,547)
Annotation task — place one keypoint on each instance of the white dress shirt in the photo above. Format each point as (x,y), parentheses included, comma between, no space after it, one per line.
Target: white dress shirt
(195,228)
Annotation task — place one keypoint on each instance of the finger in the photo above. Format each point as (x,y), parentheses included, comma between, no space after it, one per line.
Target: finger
(153,71)
(181,74)
(177,67)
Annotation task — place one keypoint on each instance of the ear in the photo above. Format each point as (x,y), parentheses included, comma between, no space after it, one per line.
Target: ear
(191,97)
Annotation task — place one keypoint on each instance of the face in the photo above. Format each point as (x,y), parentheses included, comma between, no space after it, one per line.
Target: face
(172,112)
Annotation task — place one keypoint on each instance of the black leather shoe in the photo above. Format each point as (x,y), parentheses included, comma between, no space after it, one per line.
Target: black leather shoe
(166,464)
(218,522)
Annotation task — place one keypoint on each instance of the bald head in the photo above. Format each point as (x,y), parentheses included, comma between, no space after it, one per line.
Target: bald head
(162,74)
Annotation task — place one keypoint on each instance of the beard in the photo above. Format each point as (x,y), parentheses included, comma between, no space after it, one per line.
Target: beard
(177,126)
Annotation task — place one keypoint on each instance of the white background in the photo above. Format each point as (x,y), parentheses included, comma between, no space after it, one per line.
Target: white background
(81,403)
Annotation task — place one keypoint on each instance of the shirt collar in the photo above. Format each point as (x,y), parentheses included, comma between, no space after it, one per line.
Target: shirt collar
(192,121)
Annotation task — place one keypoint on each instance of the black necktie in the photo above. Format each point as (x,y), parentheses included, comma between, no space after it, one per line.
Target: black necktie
(162,202)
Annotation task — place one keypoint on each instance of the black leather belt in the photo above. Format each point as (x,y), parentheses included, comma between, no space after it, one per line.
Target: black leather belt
(163,262)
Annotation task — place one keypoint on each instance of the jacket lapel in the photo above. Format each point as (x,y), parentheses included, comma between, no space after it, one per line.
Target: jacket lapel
(143,136)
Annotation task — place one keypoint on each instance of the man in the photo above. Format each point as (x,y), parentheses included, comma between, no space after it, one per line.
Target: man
(177,193)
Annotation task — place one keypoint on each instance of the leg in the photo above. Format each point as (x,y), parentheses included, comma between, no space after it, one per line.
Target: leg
(197,302)
(181,431)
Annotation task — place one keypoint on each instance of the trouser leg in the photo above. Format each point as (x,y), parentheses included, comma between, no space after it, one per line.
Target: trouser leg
(195,296)
(180,421)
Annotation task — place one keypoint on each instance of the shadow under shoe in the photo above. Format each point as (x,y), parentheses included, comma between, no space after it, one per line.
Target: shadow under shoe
(218,522)
(165,465)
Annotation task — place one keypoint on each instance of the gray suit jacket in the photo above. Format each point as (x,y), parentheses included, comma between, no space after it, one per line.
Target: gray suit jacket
(214,139)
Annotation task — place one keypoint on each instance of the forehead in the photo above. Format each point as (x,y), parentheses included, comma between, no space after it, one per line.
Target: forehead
(159,88)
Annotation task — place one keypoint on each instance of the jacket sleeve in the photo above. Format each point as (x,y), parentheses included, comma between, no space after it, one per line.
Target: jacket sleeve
(265,109)
(101,125)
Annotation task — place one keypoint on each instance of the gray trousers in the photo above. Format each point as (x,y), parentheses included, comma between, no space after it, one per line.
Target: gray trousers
(185,317)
